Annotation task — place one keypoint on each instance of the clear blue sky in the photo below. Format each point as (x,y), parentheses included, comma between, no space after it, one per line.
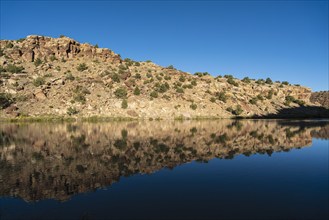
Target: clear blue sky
(283,40)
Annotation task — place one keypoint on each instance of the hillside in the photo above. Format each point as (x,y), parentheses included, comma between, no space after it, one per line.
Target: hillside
(43,76)
(321,98)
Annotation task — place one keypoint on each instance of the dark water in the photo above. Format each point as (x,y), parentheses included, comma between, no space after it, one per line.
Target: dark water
(225,169)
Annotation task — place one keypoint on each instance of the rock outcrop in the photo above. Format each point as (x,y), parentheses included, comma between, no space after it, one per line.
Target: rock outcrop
(43,76)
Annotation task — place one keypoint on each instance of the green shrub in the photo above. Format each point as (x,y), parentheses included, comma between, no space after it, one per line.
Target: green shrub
(221,96)
(268,81)
(154,94)
(180,90)
(213,99)
(96,46)
(253,101)
(228,76)
(167,77)
(270,94)
(164,87)
(149,75)
(5,100)
(69,76)
(260,97)
(120,92)
(193,106)
(124,104)
(232,82)
(39,81)
(171,67)
(81,67)
(138,76)
(237,111)
(14,69)
(246,80)
(2,70)
(115,77)
(193,82)
(260,81)
(137,91)
(80,97)
(52,58)
(200,74)
(285,83)
(72,111)
(37,62)
(1,52)
(182,78)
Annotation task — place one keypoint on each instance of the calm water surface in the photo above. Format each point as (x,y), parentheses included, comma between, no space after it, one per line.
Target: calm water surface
(224,169)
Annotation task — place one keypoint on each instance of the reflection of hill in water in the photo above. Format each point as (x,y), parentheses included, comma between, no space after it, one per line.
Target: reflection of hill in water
(40,161)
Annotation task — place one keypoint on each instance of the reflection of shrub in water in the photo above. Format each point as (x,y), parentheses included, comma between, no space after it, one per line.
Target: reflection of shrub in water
(78,143)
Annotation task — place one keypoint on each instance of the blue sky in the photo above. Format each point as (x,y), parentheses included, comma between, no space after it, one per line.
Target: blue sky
(283,40)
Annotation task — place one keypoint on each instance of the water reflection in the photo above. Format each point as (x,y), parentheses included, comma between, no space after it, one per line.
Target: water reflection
(41,161)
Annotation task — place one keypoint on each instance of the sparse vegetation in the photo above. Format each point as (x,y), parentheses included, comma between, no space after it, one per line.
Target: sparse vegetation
(193,106)
(14,69)
(5,100)
(232,82)
(237,111)
(137,91)
(38,62)
(124,104)
(154,94)
(82,67)
(120,92)
(72,111)
(39,81)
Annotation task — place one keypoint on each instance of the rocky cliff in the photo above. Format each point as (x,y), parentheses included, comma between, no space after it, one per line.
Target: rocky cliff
(43,76)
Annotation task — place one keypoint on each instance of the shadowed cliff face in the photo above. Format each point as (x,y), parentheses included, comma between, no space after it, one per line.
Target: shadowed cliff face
(42,161)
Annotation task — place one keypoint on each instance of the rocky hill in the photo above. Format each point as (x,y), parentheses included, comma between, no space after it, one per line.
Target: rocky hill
(321,98)
(43,76)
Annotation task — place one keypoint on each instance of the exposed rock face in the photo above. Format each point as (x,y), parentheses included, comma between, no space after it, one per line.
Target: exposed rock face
(42,161)
(50,76)
(321,98)
(41,47)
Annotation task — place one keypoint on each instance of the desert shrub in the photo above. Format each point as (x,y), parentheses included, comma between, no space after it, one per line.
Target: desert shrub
(154,94)
(80,97)
(164,87)
(52,58)
(200,74)
(137,91)
(39,81)
(20,40)
(5,100)
(182,78)
(63,60)
(260,81)
(96,46)
(82,66)
(221,96)
(237,111)
(124,104)
(14,69)
(180,90)
(270,94)
(213,99)
(69,76)
(268,81)
(285,83)
(167,77)
(193,106)
(138,76)
(193,82)
(232,82)
(299,102)
(260,97)
(72,111)
(115,77)
(253,101)
(1,52)
(246,80)
(120,92)
(37,62)
(289,99)
(159,78)
(170,67)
